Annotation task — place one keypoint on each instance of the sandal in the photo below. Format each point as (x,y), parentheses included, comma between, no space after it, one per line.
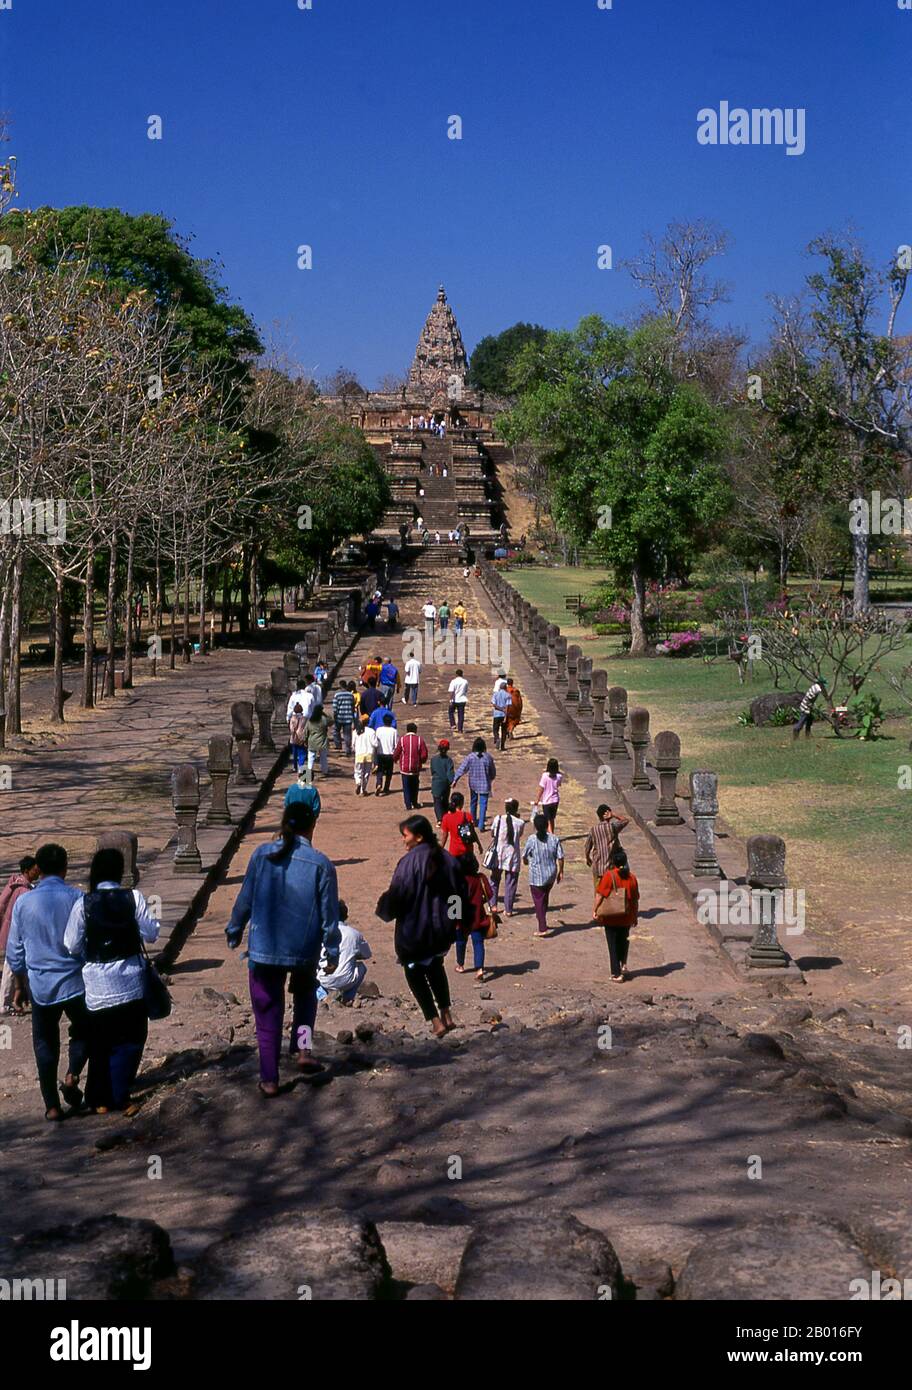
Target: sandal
(71,1094)
(460,969)
(267,1095)
(54,1115)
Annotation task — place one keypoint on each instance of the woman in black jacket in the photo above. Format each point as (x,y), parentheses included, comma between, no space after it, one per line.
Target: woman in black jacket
(426,898)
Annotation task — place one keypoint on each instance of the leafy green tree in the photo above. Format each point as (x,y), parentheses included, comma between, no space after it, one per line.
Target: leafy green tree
(144,252)
(489,369)
(633,454)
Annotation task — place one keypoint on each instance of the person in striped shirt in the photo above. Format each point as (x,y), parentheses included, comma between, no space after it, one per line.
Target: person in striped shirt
(411,754)
(343,708)
(806,708)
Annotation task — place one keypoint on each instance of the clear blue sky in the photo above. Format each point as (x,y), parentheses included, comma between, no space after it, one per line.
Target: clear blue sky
(329,127)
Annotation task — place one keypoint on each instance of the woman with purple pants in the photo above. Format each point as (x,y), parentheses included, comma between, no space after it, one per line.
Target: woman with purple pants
(290,898)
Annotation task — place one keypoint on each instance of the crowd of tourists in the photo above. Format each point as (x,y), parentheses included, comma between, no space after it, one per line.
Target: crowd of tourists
(82,955)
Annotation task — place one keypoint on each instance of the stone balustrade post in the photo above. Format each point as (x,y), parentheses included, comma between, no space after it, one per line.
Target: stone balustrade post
(185,799)
(292,663)
(667,748)
(572,693)
(584,675)
(560,656)
(128,844)
(552,632)
(280,692)
(704,807)
(599,691)
(219,768)
(638,723)
(766,876)
(263,704)
(617,713)
(242,731)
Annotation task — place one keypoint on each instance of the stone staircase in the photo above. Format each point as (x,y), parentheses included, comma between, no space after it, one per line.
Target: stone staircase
(416,464)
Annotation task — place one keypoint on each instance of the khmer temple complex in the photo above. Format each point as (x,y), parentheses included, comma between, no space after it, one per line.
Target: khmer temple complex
(449,481)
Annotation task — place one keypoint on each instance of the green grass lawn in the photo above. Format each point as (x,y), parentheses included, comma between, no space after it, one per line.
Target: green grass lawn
(824,795)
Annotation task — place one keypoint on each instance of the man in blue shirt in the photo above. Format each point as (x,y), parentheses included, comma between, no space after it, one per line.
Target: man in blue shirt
(390,681)
(378,718)
(35,949)
(501,701)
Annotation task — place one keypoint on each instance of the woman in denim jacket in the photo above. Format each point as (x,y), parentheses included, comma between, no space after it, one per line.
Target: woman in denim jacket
(290,898)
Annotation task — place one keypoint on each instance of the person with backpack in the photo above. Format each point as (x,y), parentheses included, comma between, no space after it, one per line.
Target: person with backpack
(617,904)
(457,827)
(476,925)
(426,898)
(297,732)
(106,930)
(544,855)
(502,859)
(481,770)
(290,898)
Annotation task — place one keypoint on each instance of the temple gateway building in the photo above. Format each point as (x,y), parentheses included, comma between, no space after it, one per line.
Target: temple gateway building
(445,481)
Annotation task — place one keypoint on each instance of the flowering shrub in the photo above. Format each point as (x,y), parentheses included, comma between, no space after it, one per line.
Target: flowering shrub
(681,643)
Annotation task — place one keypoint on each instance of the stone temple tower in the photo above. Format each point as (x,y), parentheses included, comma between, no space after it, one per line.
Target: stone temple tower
(439,369)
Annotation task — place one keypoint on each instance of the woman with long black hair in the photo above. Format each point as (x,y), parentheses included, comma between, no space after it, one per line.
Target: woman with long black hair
(544,854)
(106,929)
(506,833)
(427,898)
(290,897)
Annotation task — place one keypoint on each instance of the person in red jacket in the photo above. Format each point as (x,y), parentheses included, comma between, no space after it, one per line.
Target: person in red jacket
(618,894)
(411,754)
(476,925)
(18,884)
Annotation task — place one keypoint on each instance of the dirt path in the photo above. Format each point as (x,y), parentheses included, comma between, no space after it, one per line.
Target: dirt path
(638,1108)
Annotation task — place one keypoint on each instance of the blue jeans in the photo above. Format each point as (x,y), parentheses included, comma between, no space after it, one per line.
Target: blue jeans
(478,949)
(410,690)
(478,805)
(298,757)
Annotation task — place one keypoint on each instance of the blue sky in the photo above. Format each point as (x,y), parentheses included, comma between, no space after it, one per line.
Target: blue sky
(329,127)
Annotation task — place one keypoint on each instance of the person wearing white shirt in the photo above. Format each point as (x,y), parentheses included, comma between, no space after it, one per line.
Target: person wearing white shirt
(106,929)
(412,674)
(347,978)
(459,694)
(430,617)
(303,696)
(387,738)
(365,749)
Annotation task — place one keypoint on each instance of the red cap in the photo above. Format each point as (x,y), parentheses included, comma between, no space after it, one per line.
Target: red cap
(444,743)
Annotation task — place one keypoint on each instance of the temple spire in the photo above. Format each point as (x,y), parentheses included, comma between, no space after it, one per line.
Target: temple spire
(440,364)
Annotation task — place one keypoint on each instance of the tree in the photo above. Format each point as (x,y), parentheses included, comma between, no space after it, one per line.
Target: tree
(489,369)
(849,378)
(143,252)
(632,453)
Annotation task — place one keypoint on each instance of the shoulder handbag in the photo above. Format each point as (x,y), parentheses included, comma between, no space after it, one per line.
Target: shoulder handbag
(156,995)
(491,860)
(613,909)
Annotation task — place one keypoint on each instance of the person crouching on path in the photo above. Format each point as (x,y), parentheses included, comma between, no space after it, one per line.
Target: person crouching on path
(290,898)
(106,929)
(345,981)
(544,854)
(426,899)
(476,924)
(617,905)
